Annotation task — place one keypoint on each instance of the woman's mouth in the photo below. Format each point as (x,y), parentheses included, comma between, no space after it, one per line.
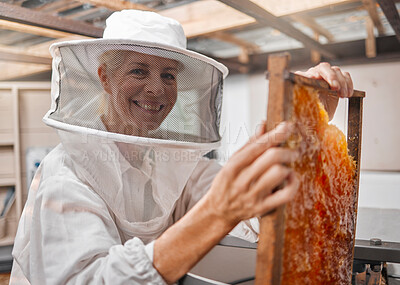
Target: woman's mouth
(149,106)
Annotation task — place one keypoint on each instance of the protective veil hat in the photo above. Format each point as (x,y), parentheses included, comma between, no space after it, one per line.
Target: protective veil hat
(153,30)
(76,88)
(163,36)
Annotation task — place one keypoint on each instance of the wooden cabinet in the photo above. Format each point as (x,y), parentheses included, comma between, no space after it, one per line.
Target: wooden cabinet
(22,107)
(10,161)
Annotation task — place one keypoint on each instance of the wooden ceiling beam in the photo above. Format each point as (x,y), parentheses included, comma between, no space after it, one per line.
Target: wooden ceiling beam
(313,25)
(22,67)
(42,49)
(204,17)
(281,8)
(15,70)
(315,56)
(13,38)
(117,5)
(261,15)
(331,10)
(198,18)
(229,38)
(246,48)
(9,55)
(35,18)
(23,28)
(370,6)
(352,52)
(83,13)
(392,15)
(58,6)
(289,7)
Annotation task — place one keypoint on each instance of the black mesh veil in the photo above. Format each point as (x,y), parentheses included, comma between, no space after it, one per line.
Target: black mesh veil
(135,91)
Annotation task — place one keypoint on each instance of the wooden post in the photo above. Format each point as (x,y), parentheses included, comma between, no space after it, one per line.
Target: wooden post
(269,252)
(315,55)
(370,42)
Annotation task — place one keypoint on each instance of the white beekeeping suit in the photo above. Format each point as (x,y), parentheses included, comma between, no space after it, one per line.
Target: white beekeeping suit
(136,112)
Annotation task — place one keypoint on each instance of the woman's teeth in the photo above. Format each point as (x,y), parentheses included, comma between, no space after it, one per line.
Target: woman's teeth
(149,107)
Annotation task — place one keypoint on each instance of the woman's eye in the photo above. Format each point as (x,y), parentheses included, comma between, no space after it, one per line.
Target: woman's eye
(168,76)
(138,71)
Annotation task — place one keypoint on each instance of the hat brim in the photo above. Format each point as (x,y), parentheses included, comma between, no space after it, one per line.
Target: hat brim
(193,74)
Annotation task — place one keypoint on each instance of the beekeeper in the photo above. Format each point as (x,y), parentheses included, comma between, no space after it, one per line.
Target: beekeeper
(128,197)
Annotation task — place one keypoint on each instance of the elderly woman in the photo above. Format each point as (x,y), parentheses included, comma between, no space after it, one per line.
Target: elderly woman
(128,197)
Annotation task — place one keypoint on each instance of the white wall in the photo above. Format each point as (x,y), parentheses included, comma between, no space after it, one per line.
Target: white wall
(246,98)
(381,125)
(235,128)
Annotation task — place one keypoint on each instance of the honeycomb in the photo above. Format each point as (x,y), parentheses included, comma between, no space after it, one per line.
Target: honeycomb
(320,221)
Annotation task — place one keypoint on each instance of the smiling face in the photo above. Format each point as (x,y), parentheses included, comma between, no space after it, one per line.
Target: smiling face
(142,91)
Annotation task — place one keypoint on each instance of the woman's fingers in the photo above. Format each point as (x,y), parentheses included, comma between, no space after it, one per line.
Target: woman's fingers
(279,197)
(349,84)
(255,148)
(270,180)
(343,89)
(261,129)
(324,71)
(337,80)
(251,175)
(273,156)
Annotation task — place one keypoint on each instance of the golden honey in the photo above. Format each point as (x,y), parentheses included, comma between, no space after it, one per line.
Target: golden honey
(320,221)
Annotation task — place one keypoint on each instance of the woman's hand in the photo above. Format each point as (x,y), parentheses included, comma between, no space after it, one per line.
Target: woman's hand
(250,184)
(336,78)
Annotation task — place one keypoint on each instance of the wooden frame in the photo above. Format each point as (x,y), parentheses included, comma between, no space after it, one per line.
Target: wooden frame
(281,82)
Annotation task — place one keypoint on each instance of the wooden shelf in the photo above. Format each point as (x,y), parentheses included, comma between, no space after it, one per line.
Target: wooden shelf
(6,143)
(13,123)
(7,181)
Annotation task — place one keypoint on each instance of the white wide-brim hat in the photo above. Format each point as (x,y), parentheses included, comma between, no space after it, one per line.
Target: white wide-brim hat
(149,33)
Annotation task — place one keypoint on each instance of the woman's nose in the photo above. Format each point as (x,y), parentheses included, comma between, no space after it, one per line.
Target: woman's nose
(154,85)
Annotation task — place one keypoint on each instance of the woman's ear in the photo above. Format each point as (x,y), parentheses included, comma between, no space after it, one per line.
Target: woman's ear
(104,79)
